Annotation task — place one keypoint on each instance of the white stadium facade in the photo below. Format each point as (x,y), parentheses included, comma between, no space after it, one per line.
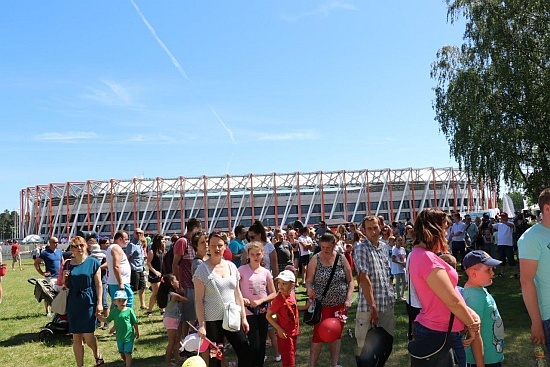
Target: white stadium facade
(163,205)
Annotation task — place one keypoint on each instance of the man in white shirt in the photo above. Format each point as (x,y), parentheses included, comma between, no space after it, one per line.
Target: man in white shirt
(505,244)
(458,231)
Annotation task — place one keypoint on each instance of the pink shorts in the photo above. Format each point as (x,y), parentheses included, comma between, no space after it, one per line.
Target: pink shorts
(171,323)
(326,313)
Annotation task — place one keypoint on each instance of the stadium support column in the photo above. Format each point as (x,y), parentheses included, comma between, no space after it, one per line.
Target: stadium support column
(413,201)
(158,205)
(251,199)
(390,189)
(275,200)
(453,182)
(50,211)
(205,203)
(111,206)
(299,196)
(436,204)
(323,214)
(345,195)
(229,226)
(134,202)
(182,204)
(367,187)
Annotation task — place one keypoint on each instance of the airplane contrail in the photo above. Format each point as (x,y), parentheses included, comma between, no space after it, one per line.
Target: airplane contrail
(159,41)
(178,65)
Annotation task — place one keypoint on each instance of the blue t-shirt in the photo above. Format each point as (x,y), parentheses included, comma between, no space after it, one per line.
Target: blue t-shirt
(534,244)
(492,328)
(135,256)
(52,260)
(236,246)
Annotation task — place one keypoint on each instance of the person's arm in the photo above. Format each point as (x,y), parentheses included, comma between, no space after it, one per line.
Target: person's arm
(274,263)
(528,270)
(99,291)
(310,276)
(176,262)
(305,306)
(366,286)
(178,297)
(441,285)
(117,254)
(199,306)
(136,330)
(37,262)
(239,301)
(349,280)
(280,332)
(477,351)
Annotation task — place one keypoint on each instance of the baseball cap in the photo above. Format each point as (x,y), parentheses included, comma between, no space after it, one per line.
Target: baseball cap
(286,276)
(120,295)
(479,257)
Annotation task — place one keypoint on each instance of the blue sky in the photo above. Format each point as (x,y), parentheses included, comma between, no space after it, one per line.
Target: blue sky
(120,89)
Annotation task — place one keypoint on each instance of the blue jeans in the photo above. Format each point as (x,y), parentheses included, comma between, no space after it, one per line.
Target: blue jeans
(546,326)
(421,332)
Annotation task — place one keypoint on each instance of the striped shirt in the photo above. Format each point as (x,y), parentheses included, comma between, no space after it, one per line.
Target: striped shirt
(374,262)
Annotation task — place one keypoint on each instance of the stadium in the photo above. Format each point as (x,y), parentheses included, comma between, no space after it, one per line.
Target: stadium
(162,205)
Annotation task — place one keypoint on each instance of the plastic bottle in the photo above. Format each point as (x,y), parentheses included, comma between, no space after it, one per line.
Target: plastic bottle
(311,307)
(540,358)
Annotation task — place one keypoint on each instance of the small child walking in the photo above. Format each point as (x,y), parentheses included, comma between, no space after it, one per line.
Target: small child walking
(126,326)
(172,302)
(287,324)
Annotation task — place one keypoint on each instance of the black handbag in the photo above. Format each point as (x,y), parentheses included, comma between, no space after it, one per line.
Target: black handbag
(376,349)
(433,351)
(312,315)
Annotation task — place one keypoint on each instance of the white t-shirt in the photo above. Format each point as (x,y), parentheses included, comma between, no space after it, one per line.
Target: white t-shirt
(504,234)
(412,298)
(268,248)
(305,240)
(124,267)
(400,255)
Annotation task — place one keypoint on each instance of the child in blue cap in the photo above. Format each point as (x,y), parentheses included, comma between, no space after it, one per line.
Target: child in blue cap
(126,326)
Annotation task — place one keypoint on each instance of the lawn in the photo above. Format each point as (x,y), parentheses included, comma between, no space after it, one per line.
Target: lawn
(21,318)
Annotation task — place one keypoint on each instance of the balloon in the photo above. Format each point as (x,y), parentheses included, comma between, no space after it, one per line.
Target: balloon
(192,341)
(194,361)
(330,329)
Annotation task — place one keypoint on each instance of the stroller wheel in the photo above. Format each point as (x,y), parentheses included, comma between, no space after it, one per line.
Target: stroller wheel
(45,335)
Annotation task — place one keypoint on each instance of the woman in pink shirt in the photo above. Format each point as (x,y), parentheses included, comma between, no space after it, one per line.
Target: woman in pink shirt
(435,282)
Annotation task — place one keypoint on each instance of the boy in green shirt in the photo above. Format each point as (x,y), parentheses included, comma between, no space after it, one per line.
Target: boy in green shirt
(126,326)
(490,349)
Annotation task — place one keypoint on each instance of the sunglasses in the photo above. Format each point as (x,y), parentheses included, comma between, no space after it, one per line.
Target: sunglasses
(81,245)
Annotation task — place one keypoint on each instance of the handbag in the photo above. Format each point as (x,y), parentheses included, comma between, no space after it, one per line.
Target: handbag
(433,351)
(231,317)
(59,303)
(312,316)
(231,311)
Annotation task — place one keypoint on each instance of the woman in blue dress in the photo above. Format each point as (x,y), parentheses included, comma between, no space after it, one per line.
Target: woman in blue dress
(83,278)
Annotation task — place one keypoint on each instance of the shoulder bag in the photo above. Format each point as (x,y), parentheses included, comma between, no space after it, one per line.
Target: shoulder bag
(312,316)
(433,351)
(231,311)
(59,303)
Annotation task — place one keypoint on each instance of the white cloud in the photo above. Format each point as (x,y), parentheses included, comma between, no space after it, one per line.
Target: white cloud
(323,9)
(111,94)
(66,137)
(289,136)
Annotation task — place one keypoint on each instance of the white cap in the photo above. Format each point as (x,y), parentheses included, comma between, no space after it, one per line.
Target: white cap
(286,276)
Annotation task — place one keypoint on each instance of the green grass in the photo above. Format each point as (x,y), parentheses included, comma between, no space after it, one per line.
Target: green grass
(21,318)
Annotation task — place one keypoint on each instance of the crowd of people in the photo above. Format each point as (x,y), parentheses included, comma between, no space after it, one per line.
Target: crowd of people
(194,280)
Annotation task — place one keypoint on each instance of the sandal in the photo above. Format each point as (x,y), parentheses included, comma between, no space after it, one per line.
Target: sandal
(99,361)
(149,314)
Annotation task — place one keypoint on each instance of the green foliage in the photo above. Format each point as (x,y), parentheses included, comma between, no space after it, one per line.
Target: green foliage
(7,224)
(492,93)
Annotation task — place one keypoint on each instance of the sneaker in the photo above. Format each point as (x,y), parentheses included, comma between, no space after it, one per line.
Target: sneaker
(49,314)
(105,326)
(278,358)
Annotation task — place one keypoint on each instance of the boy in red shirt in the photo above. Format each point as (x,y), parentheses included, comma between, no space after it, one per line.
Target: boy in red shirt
(287,323)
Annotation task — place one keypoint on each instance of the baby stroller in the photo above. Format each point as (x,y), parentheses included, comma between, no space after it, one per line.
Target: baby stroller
(43,290)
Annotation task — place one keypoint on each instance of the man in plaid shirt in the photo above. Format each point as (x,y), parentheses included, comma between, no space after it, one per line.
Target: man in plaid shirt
(376,294)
